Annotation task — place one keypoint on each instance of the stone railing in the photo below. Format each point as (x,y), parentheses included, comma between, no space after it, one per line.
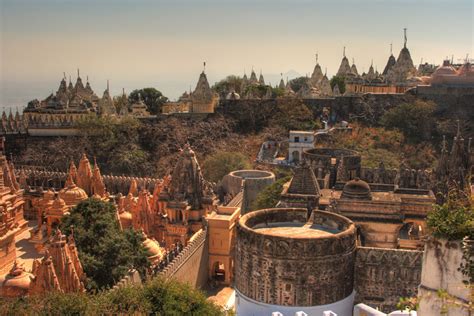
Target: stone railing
(41,177)
(132,278)
(184,256)
(407,178)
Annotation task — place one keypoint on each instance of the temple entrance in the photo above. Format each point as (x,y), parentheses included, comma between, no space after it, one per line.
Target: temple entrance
(218,272)
(296,156)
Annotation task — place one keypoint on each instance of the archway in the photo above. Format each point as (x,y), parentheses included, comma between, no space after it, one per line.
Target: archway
(218,271)
(296,156)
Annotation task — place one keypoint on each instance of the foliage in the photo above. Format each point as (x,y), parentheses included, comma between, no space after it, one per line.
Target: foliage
(340,82)
(228,84)
(293,114)
(415,120)
(106,252)
(153,99)
(452,221)
(115,143)
(216,166)
(278,92)
(155,297)
(408,303)
(269,197)
(297,83)
(378,144)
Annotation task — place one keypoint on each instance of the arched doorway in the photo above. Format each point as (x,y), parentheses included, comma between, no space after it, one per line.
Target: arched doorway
(218,271)
(295,156)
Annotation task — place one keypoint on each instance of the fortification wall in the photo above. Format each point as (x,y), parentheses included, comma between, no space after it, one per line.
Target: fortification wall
(191,264)
(382,276)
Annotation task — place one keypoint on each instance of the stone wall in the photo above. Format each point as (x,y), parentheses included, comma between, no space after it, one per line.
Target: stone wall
(382,276)
(56,179)
(191,264)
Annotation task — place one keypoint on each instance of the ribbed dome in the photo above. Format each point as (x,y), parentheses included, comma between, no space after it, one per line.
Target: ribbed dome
(72,195)
(155,252)
(16,283)
(125,219)
(356,189)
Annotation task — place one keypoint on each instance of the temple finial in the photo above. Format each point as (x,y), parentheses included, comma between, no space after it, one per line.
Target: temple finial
(316,58)
(405,36)
(107,85)
(78,73)
(64,75)
(87,78)
(344,51)
(459,129)
(204,68)
(391,49)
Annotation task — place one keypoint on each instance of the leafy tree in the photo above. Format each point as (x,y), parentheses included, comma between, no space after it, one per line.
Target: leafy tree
(221,163)
(106,252)
(153,98)
(340,82)
(155,297)
(293,114)
(415,120)
(228,84)
(297,83)
(269,197)
(452,221)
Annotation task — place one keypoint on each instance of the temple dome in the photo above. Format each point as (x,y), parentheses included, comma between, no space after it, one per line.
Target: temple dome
(72,194)
(356,189)
(125,219)
(232,96)
(155,252)
(445,69)
(16,283)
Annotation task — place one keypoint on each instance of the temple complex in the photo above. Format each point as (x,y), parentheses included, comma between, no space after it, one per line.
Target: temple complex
(12,222)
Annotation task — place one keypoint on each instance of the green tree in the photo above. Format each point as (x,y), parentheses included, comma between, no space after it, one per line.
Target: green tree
(153,98)
(415,120)
(452,221)
(216,166)
(270,196)
(228,84)
(106,252)
(297,83)
(340,82)
(155,297)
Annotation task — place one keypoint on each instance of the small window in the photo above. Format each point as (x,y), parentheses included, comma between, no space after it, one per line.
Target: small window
(297,139)
(287,287)
(306,139)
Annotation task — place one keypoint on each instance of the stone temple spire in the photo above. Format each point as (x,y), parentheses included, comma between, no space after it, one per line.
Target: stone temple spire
(142,216)
(73,171)
(84,175)
(45,279)
(344,67)
(282,83)
(187,183)
(97,182)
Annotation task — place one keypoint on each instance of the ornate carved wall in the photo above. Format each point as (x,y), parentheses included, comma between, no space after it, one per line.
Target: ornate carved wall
(382,276)
(302,271)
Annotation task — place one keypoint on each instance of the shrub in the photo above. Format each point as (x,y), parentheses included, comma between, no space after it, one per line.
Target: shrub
(270,196)
(221,163)
(452,220)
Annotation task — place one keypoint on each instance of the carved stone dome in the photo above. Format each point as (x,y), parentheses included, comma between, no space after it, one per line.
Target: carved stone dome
(16,283)
(155,252)
(72,195)
(356,189)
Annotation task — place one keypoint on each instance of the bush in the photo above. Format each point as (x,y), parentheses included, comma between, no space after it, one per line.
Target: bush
(216,166)
(452,220)
(106,252)
(156,297)
(270,196)
(415,120)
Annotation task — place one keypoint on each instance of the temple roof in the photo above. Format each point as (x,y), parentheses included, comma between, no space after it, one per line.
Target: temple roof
(202,92)
(390,63)
(304,181)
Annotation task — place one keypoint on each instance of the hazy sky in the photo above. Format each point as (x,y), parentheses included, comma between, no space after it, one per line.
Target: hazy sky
(163,43)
